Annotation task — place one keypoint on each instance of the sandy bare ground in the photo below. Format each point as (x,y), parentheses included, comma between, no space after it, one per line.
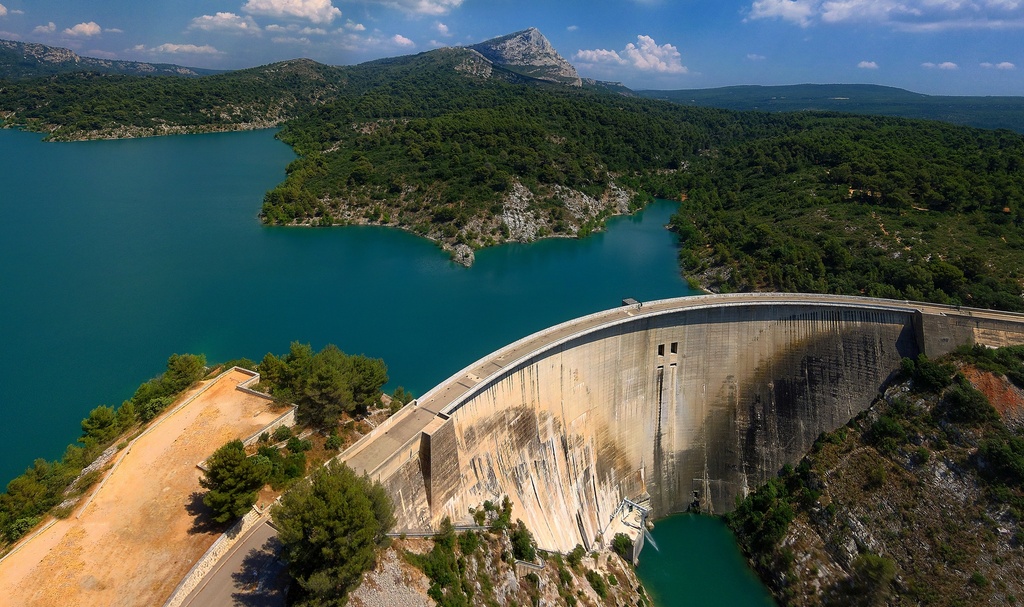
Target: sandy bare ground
(140,534)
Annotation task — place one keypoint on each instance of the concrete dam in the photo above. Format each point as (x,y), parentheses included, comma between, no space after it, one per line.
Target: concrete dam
(654,401)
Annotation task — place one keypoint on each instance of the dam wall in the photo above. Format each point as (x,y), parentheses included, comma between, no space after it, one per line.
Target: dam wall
(706,396)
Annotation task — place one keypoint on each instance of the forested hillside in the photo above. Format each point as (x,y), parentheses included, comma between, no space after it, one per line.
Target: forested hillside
(859,205)
(471,153)
(981,112)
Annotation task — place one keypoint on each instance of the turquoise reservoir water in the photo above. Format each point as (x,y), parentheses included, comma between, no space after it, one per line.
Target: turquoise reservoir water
(116,254)
(697,564)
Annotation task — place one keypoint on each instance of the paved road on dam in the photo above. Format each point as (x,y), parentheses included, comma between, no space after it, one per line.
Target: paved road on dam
(402,430)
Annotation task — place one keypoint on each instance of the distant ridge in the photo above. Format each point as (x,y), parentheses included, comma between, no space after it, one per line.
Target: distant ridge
(981,112)
(20,60)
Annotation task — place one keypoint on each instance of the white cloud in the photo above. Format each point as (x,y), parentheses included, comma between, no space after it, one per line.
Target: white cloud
(755,57)
(290,40)
(423,7)
(945,65)
(225,22)
(401,40)
(316,11)
(646,55)
(442,29)
(867,65)
(184,49)
(101,54)
(598,55)
(84,29)
(295,29)
(903,15)
(797,11)
(572,28)
(355,27)
(3,10)
(1004,65)
(49,28)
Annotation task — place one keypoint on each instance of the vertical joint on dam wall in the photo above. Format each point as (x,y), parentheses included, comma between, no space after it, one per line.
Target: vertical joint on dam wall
(439,458)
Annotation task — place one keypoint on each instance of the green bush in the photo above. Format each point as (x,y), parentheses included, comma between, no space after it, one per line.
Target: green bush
(282,433)
(597,583)
(524,547)
(575,556)
(623,546)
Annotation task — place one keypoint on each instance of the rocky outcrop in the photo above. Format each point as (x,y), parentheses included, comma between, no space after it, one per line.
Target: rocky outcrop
(520,221)
(529,53)
(491,577)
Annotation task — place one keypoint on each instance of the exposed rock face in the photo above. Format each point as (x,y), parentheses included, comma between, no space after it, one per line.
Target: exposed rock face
(463,255)
(517,216)
(494,581)
(529,53)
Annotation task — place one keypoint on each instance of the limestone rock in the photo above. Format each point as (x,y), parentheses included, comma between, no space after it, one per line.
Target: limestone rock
(463,255)
(529,53)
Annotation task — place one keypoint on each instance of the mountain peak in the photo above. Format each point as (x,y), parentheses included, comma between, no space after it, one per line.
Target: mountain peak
(529,53)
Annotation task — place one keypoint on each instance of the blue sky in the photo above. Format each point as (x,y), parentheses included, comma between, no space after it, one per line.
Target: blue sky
(957,47)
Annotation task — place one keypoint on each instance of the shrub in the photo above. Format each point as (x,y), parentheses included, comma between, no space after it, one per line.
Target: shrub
(597,583)
(964,404)
(565,577)
(523,546)
(574,557)
(623,546)
(282,433)
(469,542)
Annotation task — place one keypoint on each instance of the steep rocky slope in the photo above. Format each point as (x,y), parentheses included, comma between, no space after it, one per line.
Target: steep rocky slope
(916,502)
(529,53)
(489,576)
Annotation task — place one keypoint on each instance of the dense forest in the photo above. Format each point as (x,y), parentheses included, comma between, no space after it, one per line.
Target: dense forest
(981,112)
(859,205)
(446,145)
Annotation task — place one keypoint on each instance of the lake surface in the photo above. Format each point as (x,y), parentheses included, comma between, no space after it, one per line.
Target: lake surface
(116,254)
(697,563)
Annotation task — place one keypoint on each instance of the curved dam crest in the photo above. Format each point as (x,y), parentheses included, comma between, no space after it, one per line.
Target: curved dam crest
(709,394)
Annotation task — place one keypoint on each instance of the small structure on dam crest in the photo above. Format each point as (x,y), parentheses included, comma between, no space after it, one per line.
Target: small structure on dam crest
(703,396)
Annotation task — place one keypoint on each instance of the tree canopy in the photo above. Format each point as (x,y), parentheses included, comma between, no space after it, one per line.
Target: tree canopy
(330,526)
(324,385)
(233,481)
